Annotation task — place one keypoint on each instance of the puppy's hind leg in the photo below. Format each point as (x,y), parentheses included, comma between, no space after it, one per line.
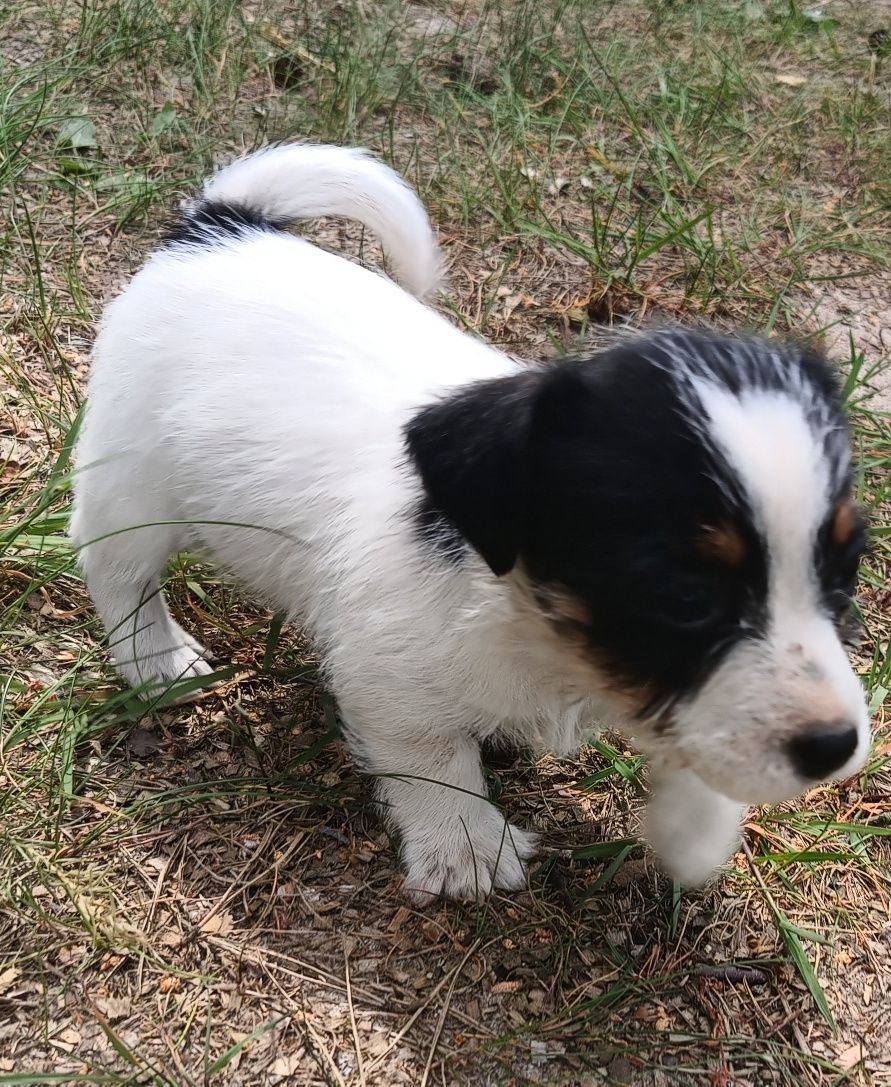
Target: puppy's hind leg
(123,572)
(431,786)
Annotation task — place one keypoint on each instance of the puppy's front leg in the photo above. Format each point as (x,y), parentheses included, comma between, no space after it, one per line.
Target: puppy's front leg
(455,842)
(691,828)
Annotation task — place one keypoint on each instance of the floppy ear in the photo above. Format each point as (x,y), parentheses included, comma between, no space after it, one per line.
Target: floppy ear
(470,452)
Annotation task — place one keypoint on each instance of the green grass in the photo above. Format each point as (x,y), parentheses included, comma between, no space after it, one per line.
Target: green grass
(584,161)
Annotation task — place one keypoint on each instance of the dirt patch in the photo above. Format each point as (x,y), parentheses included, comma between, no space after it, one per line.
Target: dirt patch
(856,313)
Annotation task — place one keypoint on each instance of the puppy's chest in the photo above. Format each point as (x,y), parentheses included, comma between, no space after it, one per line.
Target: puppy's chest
(525,689)
(558,731)
(543,714)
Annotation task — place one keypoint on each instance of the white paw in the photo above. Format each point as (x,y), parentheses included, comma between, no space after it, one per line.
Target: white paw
(691,863)
(691,828)
(163,664)
(466,856)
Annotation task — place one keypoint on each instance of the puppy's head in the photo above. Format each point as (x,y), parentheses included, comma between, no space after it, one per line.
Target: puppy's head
(680,507)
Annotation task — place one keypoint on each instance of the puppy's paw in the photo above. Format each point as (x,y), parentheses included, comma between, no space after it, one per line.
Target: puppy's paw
(691,829)
(158,664)
(692,863)
(467,856)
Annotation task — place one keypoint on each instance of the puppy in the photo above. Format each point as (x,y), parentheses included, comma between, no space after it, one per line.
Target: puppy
(661,538)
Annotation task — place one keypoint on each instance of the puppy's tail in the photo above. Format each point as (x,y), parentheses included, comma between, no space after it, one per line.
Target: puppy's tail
(303,181)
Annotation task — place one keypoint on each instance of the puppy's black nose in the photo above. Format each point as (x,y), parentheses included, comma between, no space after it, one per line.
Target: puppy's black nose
(819,753)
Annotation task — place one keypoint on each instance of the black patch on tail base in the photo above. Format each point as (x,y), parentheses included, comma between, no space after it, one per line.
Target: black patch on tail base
(214,221)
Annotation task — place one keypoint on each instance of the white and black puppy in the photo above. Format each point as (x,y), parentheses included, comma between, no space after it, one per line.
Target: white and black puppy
(660,538)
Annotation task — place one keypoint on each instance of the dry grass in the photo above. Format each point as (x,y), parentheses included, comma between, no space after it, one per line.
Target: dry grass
(201,894)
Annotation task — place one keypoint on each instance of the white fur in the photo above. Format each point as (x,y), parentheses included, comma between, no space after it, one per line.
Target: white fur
(263,382)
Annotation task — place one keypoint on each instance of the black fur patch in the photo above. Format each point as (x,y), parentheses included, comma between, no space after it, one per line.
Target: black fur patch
(469,450)
(598,475)
(213,221)
(836,563)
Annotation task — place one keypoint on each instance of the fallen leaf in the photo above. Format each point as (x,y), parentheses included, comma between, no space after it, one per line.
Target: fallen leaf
(790,80)
(399,919)
(851,1056)
(78,133)
(68,1039)
(432,931)
(70,954)
(286,1066)
(8,977)
(220,924)
(113,1007)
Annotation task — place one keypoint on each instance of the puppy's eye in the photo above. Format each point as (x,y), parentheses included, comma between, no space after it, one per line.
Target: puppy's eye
(840,570)
(690,604)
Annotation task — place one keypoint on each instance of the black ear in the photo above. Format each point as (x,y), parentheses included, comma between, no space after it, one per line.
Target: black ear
(470,452)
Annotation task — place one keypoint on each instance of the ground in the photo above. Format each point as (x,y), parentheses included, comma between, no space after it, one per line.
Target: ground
(202,894)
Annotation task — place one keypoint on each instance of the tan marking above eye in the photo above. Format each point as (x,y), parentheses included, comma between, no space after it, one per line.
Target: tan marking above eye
(845,521)
(722,543)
